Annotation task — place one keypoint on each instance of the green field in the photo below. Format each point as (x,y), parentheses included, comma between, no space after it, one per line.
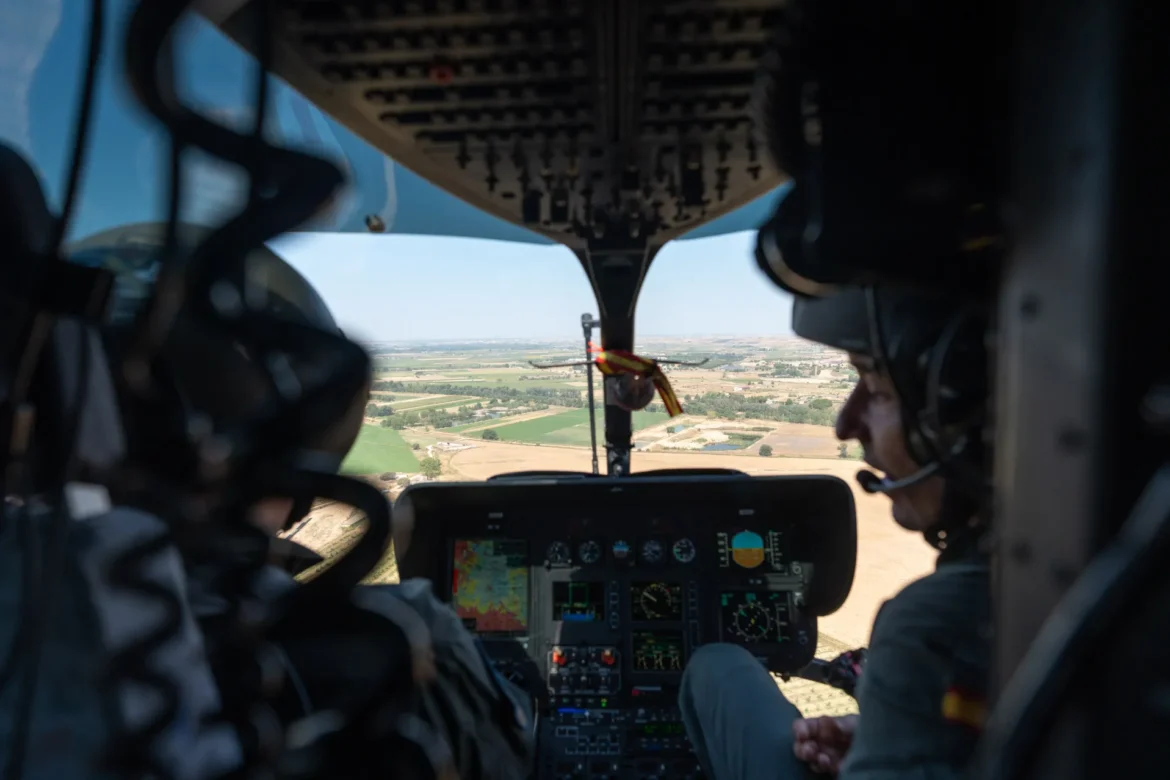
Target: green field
(484,423)
(578,435)
(433,402)
(570,428)
(379,449)
(381,396)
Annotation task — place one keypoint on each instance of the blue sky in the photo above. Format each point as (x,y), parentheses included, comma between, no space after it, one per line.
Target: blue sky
(407,284)
(423,287)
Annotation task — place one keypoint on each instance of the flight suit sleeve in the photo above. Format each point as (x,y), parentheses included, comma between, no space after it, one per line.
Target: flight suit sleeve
(920,695)
(486,721)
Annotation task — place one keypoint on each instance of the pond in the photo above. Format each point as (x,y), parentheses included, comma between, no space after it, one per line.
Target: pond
(736,440)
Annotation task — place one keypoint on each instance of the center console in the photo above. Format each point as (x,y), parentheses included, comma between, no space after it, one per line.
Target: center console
(593,594)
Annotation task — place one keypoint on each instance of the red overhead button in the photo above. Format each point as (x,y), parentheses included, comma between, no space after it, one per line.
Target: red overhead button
(558,657)
(607,657)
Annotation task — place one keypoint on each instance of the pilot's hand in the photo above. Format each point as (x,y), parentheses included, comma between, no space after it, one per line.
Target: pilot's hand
(823,742)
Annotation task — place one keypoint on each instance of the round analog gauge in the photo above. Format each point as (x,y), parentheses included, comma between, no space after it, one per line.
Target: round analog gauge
(652,551)
(683,550)
(620,550)
(590,552)
(656,601)
(751,622)
(558,552)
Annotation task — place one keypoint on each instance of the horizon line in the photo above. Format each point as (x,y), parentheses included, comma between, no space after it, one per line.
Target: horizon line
(560,339)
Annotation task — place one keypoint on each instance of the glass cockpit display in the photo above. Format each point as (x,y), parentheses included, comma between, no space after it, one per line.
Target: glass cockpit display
(490,589)
(658,651)
(655,601)
(578,602)
(748,549)
(747,617)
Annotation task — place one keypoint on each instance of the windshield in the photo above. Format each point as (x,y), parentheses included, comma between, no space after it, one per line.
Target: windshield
(464,397)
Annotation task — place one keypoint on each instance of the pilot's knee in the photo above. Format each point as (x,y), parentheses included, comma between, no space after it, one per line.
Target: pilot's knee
(711,665)
(718,656)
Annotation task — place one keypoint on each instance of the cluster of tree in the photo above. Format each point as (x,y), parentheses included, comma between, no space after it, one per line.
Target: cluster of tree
(447,418)
(430,467)
(728,406)
(714,358)
(555,396)
(379,410)
(796,369)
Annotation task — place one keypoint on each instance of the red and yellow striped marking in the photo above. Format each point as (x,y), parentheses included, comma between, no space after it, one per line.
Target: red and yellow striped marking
(612,362)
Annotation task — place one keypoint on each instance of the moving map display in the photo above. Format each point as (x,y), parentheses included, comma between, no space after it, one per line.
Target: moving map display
(490,585)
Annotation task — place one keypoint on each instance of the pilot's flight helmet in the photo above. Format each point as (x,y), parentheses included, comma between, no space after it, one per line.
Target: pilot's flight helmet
(933,349)
(214,380)
(889,117)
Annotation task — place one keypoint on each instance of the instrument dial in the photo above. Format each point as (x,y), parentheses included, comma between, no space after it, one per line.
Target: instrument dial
(558,552)
(590,552)
(657,601)
(751,622)
(683,550)
(652,551)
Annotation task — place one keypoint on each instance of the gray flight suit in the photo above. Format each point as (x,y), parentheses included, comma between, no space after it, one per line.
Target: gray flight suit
(930,644)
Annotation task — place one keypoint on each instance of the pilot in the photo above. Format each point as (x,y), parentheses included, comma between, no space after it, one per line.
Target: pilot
(917,411)
(485,720)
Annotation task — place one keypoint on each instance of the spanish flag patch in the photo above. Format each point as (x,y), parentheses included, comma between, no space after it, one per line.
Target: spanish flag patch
(964,708)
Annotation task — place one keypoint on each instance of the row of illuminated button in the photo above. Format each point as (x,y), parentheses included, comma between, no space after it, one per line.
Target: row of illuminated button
(586,707)
(599,684)
(580,656)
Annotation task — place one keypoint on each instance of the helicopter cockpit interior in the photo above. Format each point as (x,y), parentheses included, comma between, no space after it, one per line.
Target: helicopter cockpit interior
(1005,152)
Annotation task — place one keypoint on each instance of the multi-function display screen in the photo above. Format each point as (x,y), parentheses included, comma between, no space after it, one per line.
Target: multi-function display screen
(490,588)
(578,602)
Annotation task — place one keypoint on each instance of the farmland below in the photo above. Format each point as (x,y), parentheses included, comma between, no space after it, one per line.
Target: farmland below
(470,411)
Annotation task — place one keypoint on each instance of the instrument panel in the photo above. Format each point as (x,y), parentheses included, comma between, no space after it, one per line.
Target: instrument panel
(593,595)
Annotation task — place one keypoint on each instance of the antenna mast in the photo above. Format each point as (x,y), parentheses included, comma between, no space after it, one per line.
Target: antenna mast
(588,323)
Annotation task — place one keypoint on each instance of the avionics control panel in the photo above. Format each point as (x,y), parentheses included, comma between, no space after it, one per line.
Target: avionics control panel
(606,592)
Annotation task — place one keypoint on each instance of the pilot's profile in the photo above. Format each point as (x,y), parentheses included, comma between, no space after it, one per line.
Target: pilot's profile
(920,697)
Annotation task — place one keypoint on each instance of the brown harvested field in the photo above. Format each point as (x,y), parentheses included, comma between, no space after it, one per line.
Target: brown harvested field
(796,439)
(887,557)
